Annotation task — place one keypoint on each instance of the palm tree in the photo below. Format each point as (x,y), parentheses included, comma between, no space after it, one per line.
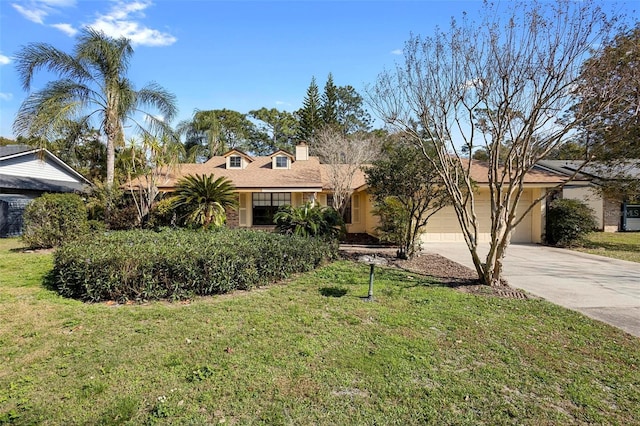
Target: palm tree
(93,86)
(204,199)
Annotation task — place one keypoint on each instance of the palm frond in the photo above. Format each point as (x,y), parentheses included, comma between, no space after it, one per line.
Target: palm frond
(156,96)
(37,56)
(108,57)
(46,112)
(204,199)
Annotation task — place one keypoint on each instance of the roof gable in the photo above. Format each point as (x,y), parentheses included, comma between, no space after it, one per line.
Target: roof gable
(283,152)
(22,161)
(237,152)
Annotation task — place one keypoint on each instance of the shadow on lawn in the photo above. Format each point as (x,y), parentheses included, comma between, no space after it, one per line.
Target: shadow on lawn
(333,291)
(49,281)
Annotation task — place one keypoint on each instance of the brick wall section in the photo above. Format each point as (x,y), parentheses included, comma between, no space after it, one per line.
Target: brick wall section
(612,215)
(233,218)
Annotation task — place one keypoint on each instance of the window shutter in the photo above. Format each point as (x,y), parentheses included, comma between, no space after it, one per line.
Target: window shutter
(355,204)
(242,210)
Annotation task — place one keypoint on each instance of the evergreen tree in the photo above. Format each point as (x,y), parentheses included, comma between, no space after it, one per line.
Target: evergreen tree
(330,103)
(309,116)
(351,114)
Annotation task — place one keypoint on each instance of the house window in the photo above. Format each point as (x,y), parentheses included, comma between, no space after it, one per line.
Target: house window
(266,204)
(282,162)
(347,211)
(235,162)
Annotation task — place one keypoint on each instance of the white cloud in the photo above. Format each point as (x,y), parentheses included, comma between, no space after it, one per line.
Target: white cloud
(6,96)
(32,13)
(396,52)
(280,103)
(37,10)
(122,21)
(4,60)
(59,3)
(66,28)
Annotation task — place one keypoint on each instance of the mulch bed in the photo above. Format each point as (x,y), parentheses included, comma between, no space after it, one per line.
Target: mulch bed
(450,273)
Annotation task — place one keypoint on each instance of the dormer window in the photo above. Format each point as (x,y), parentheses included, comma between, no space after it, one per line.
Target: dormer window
(235,162)
(282,162)
(236,159)
(281,159)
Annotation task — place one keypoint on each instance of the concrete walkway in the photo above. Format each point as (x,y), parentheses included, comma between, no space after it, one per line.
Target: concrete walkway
(602,288)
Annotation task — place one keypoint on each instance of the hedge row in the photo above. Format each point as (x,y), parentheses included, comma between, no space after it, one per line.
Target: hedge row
(176,264)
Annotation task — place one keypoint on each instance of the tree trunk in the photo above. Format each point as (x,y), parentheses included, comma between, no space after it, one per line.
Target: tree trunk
(111,161)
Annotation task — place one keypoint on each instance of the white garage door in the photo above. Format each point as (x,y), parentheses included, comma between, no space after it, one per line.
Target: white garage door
(443,226)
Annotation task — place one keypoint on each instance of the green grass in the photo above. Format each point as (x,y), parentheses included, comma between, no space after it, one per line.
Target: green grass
(617,245)
(309,351)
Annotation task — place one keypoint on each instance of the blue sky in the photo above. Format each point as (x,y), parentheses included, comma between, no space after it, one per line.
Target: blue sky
(240,55)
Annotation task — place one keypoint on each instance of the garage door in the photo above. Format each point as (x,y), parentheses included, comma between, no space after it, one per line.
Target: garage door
(444,226)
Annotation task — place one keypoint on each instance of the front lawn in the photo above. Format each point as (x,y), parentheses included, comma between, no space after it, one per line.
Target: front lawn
(618,245)
(309,351)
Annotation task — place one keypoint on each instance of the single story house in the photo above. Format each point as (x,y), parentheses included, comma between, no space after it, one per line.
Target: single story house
(268,182)
(613,212)
(26,173)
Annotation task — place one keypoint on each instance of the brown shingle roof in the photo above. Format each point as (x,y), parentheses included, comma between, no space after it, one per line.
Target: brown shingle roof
(480,170)
(257,174)
(359,178)
(309,175)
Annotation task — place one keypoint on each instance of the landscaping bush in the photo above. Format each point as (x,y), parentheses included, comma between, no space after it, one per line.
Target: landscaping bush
(122,216)
(568,222)
(176,264)
(53,219)
(309,221)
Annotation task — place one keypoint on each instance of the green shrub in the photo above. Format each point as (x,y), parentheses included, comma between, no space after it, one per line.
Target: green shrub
(308,221)
(568,222)
(165,213)
(396,227)
(53,219)
(175,264)
(162,214)
(122,216)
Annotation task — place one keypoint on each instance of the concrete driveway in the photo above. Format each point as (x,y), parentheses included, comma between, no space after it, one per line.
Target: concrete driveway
(602,288)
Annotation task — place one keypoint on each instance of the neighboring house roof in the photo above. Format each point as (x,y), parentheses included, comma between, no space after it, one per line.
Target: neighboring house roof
(9,150)
(37,184)
(36,169)
(629,169)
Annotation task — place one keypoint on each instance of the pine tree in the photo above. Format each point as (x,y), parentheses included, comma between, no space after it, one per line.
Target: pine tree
(330,103)
(310,114)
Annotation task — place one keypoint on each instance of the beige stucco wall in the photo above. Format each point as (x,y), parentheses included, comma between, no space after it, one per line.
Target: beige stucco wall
(590,197)
(361,217)
(444,226)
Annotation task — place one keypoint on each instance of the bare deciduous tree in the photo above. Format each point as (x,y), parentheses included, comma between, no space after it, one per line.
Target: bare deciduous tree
(343,156)
(505,85)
